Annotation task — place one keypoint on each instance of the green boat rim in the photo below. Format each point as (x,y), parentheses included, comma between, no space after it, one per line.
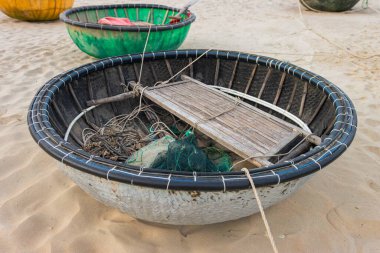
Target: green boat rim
(64,17)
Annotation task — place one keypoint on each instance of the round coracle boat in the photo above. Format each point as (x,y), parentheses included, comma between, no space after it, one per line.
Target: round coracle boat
(40,10)
(104,40)
(185,197)
(329,5)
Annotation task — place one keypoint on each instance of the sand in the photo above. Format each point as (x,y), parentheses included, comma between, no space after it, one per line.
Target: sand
(338,210)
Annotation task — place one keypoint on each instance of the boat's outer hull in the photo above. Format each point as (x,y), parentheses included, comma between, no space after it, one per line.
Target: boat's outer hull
(329,5)
(105,43)
(179,207)
(162,195)
(40,10)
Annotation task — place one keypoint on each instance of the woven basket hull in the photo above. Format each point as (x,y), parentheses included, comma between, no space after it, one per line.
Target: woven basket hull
(102,41)
(179,207)
(178,197)
(330,5)
(41,10)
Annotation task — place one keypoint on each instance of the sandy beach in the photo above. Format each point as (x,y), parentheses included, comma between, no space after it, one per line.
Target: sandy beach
(337,210)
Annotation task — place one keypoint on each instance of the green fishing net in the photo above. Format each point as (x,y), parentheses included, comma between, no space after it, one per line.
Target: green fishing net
(185,155)
(221,160)
(146,155)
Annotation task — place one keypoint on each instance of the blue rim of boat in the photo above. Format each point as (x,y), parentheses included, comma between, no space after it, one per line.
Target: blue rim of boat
(64,17)
(332,146)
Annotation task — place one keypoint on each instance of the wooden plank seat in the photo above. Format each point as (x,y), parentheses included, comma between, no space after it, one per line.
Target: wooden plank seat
(238,126)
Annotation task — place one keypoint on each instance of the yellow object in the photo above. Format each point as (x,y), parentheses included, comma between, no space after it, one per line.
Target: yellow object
(34,10)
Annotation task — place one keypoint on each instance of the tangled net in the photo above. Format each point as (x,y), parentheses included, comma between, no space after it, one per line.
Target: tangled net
(124,134)
(185,155)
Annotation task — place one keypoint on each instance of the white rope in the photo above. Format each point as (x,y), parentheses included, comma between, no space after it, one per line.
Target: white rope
(309,7)
(273,107)
(76,119)
(272,242)
(142,58)
(108,172)
(169,177)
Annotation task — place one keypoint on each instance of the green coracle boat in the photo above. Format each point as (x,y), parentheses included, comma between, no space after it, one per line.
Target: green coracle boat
(101,40)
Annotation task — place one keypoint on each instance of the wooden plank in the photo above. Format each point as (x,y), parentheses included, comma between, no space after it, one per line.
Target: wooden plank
(241,128)
(222,137)
(169,67)
(233,75)
(238,114)
(280,123)
(249,83)
(267,115)
(191,67)
(264,83)
(279,88)
(224,123)
(164,85)
(216,76)
(117,98)
(282,144)
(303,99)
